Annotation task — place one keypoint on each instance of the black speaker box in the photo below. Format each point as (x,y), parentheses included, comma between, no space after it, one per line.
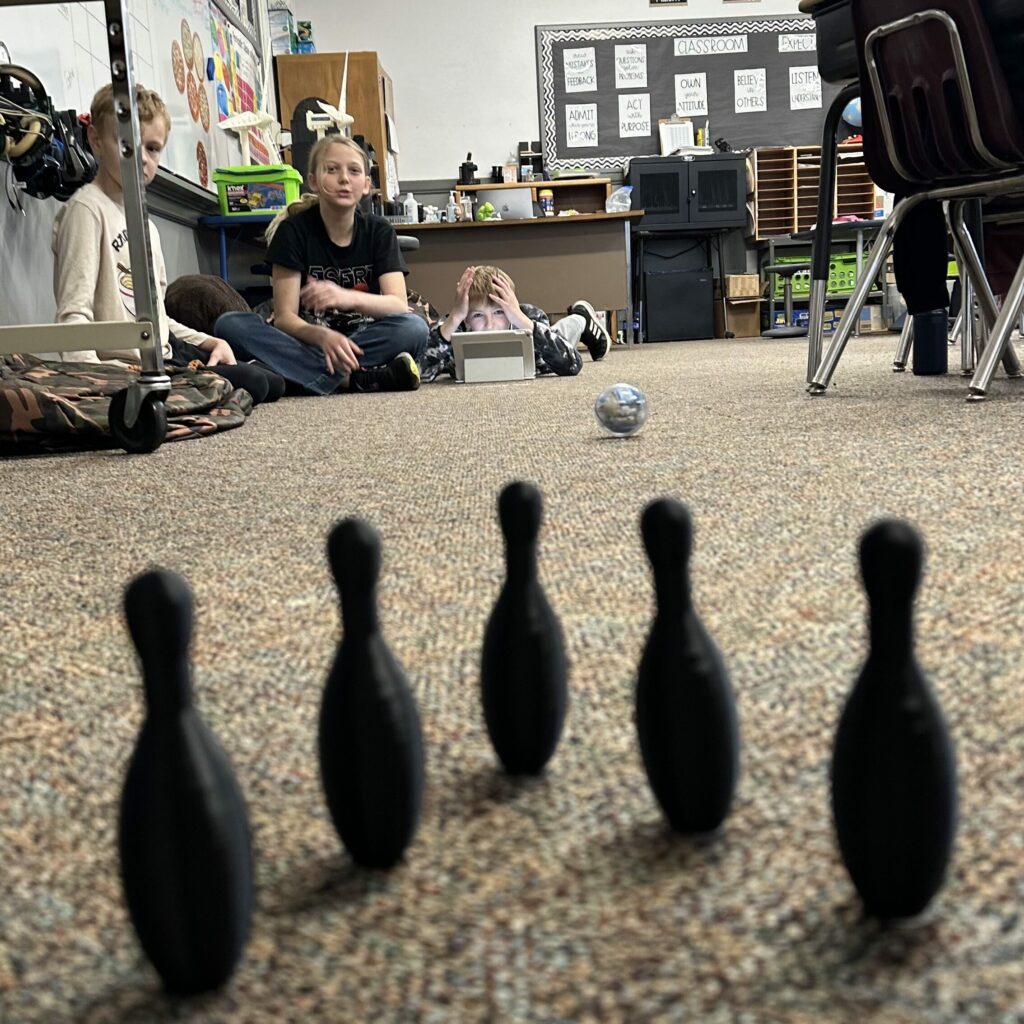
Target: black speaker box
(678,305)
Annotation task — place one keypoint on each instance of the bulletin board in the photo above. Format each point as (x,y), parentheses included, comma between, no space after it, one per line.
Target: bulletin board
(64,45)
(602,88)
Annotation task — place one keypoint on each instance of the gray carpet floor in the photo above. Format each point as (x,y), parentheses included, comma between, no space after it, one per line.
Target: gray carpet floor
(564,899)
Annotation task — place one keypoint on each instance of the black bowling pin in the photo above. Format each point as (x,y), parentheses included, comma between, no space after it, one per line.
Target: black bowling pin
(685,713)
(893,768)
(371,748)
(186,860)
(523,667)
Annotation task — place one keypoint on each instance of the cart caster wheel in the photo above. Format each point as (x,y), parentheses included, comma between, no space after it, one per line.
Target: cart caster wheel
(148,431)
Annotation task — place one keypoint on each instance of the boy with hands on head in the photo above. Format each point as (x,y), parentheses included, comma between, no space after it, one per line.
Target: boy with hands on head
(486,300)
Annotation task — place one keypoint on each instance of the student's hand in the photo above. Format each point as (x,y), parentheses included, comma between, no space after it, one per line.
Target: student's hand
(340,353)
(221,354)
(460,307)
(321,295)
(504,295)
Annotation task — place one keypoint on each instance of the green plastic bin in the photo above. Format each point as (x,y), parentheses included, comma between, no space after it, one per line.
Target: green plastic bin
(244,191)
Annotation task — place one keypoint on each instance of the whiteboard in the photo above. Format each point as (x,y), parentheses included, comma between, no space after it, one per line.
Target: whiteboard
(65,46)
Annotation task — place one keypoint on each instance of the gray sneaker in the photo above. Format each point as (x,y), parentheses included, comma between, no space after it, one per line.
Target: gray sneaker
(595,337)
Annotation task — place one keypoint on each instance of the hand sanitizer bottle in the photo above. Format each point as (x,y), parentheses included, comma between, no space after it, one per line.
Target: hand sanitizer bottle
(453,208)
(412,210)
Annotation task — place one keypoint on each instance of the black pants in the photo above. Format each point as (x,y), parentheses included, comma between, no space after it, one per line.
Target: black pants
(261,382)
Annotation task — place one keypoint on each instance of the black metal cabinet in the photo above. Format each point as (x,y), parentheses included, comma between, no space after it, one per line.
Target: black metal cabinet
(698,192)
(687,202)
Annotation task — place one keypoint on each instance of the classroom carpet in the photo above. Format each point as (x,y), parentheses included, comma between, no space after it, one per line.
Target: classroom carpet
(564,898)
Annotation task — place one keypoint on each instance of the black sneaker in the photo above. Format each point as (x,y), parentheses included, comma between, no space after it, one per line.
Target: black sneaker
(401,374)
(595,337)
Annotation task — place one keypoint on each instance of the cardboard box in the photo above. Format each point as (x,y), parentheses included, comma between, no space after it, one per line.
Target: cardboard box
(870,319)
(742,286)
(742,318)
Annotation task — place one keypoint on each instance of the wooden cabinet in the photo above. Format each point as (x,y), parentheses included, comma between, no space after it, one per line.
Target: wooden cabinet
(584,195)
(786,188)
(370,97)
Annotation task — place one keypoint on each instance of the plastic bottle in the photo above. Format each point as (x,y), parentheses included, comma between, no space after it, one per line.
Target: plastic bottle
(412,210)
(452,211)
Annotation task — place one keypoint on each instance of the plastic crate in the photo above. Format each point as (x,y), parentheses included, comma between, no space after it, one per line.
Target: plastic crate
(256,189)
(842,275)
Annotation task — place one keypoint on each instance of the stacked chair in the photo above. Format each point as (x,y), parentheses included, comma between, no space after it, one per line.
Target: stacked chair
(938,123)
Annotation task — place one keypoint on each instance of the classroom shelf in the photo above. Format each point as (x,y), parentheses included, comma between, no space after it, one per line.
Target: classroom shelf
(786,185)
(586,195)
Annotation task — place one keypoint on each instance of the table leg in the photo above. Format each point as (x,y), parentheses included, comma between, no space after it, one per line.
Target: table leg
(223,253)
(860,267)
(627,326)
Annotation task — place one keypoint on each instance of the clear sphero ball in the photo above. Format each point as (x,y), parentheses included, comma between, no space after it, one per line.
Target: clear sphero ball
(621,410)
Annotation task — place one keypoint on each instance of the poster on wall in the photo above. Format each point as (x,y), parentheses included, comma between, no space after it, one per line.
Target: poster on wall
(580,69)
(580,125)
(631,66)
(804,88)
(750,87)
(237,85)
(634,115)
(182,43)
(803,42)
(692,94)
(704,46)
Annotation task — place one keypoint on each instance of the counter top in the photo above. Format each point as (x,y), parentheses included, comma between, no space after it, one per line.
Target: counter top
(464,225)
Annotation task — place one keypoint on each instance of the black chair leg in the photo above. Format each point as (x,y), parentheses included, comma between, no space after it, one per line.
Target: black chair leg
(821,245)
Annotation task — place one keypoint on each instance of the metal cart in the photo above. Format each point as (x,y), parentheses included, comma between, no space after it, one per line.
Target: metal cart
(138,418)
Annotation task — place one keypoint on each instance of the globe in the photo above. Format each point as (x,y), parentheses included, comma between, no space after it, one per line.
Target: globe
(621,410)
(852,114)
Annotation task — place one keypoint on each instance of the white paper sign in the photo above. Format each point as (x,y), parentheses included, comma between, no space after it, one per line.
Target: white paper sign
(631,66)
(634,115)
(797,43)
(704,45)
(692,94)
(580,125)
(804,88)
(751,90)
(580,69)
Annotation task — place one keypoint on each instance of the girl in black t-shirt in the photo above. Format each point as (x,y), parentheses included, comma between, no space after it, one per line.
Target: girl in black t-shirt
(341,319)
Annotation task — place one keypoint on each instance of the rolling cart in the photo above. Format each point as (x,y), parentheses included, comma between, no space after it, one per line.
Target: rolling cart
(138,417)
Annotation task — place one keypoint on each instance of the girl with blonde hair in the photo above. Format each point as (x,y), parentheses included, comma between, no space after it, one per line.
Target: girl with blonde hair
(341,316)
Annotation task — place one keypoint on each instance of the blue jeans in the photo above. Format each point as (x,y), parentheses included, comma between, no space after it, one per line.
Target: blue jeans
(251,337)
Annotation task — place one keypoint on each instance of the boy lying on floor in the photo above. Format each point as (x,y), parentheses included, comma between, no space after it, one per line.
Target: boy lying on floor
(485,300)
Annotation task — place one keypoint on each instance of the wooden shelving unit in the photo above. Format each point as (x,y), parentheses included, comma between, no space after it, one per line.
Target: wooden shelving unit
(585,195)
(855,191)
(774,191)
(808,174)
(370,97)
(786,188)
